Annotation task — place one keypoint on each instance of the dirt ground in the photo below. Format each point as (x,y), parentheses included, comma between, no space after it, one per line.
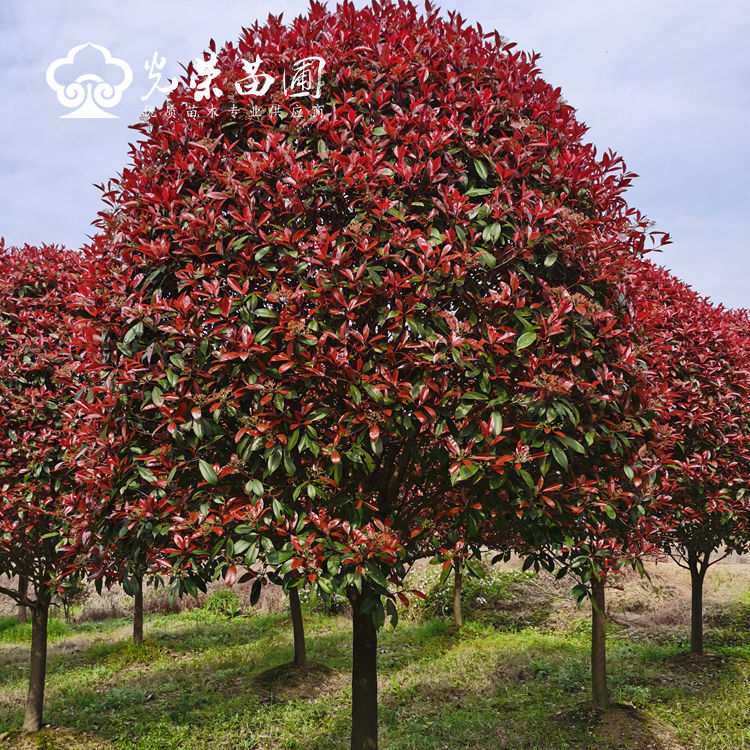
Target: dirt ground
(662,599)
(116,603)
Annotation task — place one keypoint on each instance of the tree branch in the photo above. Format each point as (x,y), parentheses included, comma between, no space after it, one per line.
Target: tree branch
(17,597)
(677,562)
(721,557)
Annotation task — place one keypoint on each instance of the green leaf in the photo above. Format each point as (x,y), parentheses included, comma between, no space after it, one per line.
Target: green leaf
(255,592)
(289,464)
(146,473)
(579,592)
(574,444)
(240,546)
(550,260)
(131,333)
(252,554)
(462,410)
(525,339)
(481,168)
(274,460)
(375,574)
(487,259)
(333,564)
(255,486)
(496,423)
(492,232)
(560,456)
(207,471)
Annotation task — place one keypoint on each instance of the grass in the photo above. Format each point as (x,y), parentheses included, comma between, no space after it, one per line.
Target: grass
(12,631)
(202,680)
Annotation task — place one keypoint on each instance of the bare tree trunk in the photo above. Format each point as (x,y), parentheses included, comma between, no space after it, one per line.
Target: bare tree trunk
(696,608)
(138,612)
(35,700)
(364,675)
(458,617)
(300,654)
(598,644)
(23,590)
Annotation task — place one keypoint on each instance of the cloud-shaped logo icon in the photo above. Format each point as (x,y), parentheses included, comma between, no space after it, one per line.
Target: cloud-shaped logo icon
(89,92)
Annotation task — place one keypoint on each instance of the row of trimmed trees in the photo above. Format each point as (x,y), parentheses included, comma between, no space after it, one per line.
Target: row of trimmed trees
(52,520)
(318,350)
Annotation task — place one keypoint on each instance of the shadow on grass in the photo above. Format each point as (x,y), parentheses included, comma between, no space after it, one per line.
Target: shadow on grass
(53,738)
(215,674)
(226,684)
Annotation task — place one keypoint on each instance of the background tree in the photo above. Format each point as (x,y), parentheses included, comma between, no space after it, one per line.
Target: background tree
(118,527)
(699,352)
(37,382)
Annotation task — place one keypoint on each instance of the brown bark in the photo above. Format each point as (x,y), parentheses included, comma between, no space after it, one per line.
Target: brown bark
(364,675)
(138,612)
(598,644)
(23,591)
(35,699)
(696,608)
(300,654)
(458,617)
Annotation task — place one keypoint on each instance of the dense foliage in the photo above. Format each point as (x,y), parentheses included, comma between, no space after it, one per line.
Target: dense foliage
(698,353)
(37,384)
(394,310)
(314,328)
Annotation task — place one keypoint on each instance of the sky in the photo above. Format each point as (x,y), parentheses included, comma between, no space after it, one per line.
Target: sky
(664,84)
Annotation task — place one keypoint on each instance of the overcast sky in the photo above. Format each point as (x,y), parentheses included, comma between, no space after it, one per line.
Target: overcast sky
(665,84)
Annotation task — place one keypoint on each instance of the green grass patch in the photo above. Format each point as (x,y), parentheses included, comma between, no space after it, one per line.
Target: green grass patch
(202,680)
(12,631)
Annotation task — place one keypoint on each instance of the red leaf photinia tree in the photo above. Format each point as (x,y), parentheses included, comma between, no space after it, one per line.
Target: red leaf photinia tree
(699,353)
(314,327)
(37,383)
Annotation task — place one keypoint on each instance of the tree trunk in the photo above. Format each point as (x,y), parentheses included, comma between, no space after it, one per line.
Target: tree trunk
(35,701)
(598,644)
(300,655)
(458,617)
(364,675)
(23,590)
(138,612)
(696,610)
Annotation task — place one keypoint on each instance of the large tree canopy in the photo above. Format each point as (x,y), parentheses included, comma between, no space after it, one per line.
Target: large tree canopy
(330,335)
(344,311)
